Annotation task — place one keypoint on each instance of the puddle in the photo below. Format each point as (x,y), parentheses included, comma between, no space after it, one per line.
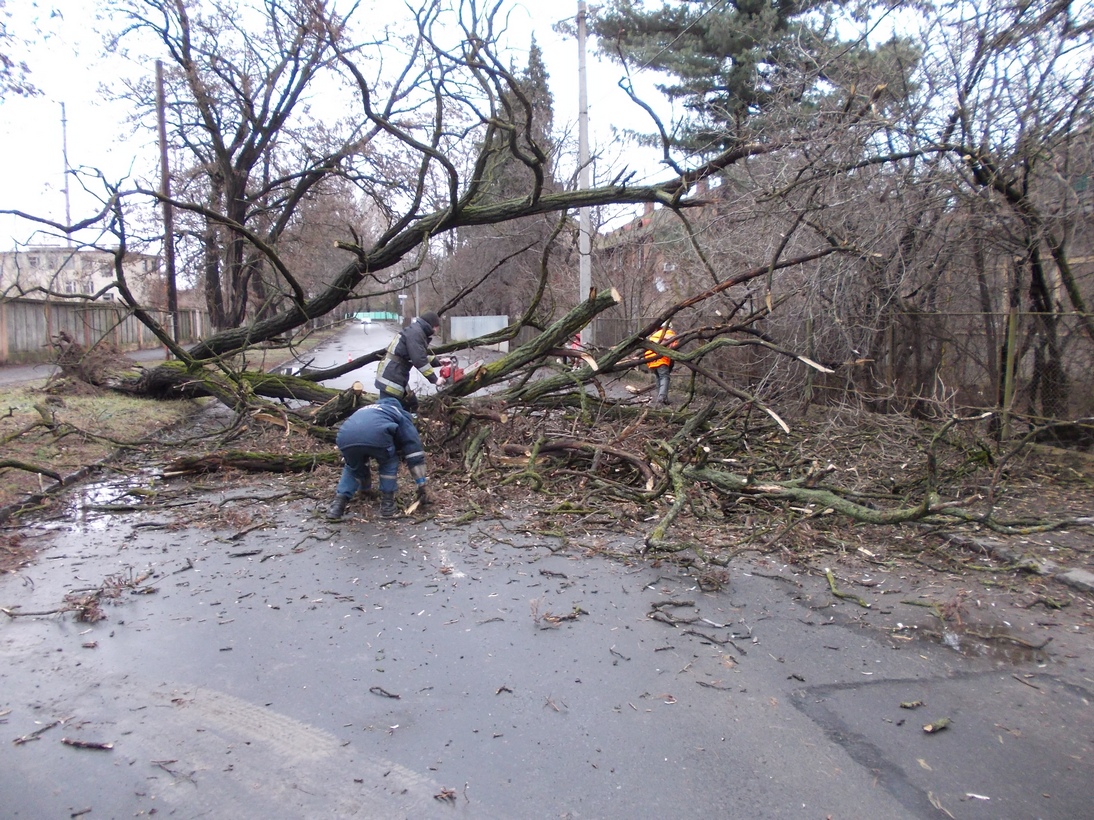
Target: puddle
(94,507)
(991,641)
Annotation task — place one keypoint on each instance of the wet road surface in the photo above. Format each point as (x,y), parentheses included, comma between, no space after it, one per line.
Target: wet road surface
(357,340)
(419,669)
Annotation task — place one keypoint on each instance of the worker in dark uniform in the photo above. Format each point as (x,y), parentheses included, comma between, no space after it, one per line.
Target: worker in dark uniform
(409,349)
(383,431)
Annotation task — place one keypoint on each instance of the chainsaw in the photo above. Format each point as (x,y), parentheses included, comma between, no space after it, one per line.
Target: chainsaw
(451,371)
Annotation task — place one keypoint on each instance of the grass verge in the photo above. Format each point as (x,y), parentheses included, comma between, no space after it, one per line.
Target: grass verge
(62,434)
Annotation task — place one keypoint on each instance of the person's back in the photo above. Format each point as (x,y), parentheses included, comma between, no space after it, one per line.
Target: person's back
(372,426)
(410,348)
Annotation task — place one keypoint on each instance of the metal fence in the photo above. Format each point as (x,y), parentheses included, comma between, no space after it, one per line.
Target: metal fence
(28,326)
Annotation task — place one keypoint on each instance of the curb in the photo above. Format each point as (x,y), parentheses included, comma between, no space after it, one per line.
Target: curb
(1079,579)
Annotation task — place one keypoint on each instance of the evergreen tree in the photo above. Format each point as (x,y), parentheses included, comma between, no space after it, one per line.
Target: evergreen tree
(528,109)
(733,64)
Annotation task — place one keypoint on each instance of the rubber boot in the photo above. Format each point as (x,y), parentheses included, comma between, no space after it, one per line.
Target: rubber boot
(387,505)
(338,507)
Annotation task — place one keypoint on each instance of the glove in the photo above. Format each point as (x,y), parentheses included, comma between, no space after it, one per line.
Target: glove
(440,382)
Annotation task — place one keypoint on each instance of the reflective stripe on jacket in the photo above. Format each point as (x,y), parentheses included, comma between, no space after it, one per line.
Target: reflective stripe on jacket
(410,348)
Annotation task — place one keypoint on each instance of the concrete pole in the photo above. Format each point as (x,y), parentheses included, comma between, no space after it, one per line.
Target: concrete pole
(64,157)
(168,213)
(585,278)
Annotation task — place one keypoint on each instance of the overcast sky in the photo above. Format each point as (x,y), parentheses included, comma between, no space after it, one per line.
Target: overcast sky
(68,67)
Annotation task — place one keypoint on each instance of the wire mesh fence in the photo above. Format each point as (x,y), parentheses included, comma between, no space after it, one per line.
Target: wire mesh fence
(1030,369)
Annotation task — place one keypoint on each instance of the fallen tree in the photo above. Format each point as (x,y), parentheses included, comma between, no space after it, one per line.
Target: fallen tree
(426,158)
(523,421)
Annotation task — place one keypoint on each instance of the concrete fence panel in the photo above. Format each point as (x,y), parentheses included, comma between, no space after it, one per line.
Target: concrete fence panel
(29,326)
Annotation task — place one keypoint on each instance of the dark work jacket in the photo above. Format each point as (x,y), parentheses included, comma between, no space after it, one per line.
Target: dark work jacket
(409,349)
(383,427)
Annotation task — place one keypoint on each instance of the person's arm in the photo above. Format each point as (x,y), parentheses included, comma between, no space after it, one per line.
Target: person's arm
(410,443)
(413,454)
(417,351)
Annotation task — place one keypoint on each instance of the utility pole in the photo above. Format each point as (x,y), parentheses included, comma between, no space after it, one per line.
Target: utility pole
(168,212)
(584,245)
(64,157)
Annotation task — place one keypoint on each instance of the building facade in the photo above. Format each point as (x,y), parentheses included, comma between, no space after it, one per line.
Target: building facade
(58,272)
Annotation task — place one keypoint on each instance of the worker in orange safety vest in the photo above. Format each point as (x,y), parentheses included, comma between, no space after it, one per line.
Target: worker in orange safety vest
(661,366)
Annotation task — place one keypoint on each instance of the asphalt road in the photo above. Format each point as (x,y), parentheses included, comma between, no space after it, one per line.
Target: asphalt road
(420,669)
(356,340)
(366,669)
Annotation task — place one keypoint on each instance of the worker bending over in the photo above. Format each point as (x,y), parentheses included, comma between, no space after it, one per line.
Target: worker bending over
(383,431)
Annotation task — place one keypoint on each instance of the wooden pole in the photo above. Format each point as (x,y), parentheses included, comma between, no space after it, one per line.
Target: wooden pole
(1009,368)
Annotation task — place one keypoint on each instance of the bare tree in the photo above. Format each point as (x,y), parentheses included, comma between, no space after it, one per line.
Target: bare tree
(14,72)
(238,81)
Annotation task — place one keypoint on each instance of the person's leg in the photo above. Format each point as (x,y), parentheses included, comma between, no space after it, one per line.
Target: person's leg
(389,472)
(356,477)
(662,374)
(356,473)
(347,486)
(364,479)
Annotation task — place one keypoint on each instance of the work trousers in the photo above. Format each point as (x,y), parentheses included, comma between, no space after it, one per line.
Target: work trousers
(357,471)
(661,374)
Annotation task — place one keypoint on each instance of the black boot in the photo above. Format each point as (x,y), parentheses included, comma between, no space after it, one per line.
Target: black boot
(337,507)
(387,505)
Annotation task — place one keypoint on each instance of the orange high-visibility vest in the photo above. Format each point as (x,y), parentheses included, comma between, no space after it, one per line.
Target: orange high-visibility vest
(662,336)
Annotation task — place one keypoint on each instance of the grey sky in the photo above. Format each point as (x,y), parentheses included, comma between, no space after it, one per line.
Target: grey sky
(68,67)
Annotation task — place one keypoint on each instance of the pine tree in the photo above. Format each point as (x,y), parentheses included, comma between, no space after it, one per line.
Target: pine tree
(731,65)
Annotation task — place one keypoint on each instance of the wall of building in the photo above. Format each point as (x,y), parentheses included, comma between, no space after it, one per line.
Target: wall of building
(32,271)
